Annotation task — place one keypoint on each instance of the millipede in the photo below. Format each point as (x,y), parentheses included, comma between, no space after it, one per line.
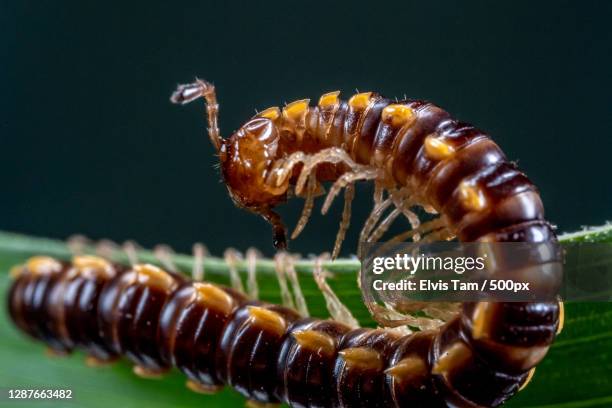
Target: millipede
(417,156)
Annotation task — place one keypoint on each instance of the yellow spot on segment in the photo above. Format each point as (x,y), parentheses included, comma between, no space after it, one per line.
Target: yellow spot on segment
(524,357)
(258,404)
(92,361)
(295,111)
(214,297)
(362,357)
(51,352)
(203,388)
(272,113)
(397,115)
(144,372)
(455,356)
(528,379)
(472,197)
(88,261)
(43,265)
(315,340)
(407,368)
(561,317)
(360,101)
(437,149)
(152,275)
(480,320)
(92,263)
(267,319)
(329,99)
(15,271)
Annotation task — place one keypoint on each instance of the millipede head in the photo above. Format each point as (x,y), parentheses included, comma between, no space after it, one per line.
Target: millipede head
(245,159)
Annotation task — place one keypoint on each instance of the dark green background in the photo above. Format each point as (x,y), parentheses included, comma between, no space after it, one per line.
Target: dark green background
(91,144)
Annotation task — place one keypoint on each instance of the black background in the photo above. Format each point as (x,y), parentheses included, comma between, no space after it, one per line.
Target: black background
(90,143)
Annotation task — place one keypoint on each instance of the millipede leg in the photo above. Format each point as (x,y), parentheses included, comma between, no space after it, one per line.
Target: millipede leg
(402,205)
(300,301)
(389,317)
(232,257)
(444,311)
(131,251)
(199,253)
(384,226)
(379,191)
(337,310)
(164,255)
(422,229)
(77,244)
(107,249)
(375,214)
(279,267)
(307,211)
(349,194)
(365,173)
(403,202)
(285,168)
(251,259)
(414,221)
(442,234)
(331,155)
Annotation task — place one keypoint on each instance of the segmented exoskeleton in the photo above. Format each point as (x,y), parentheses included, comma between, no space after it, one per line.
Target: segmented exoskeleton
(417,156)
(218,336)
(413,150)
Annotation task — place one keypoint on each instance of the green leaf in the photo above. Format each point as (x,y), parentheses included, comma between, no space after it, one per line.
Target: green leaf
(576,373)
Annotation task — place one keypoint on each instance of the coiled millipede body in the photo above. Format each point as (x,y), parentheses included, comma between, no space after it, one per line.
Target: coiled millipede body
(417,156)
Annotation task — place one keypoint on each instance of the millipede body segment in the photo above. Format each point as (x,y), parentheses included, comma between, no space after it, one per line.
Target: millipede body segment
(217,336)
